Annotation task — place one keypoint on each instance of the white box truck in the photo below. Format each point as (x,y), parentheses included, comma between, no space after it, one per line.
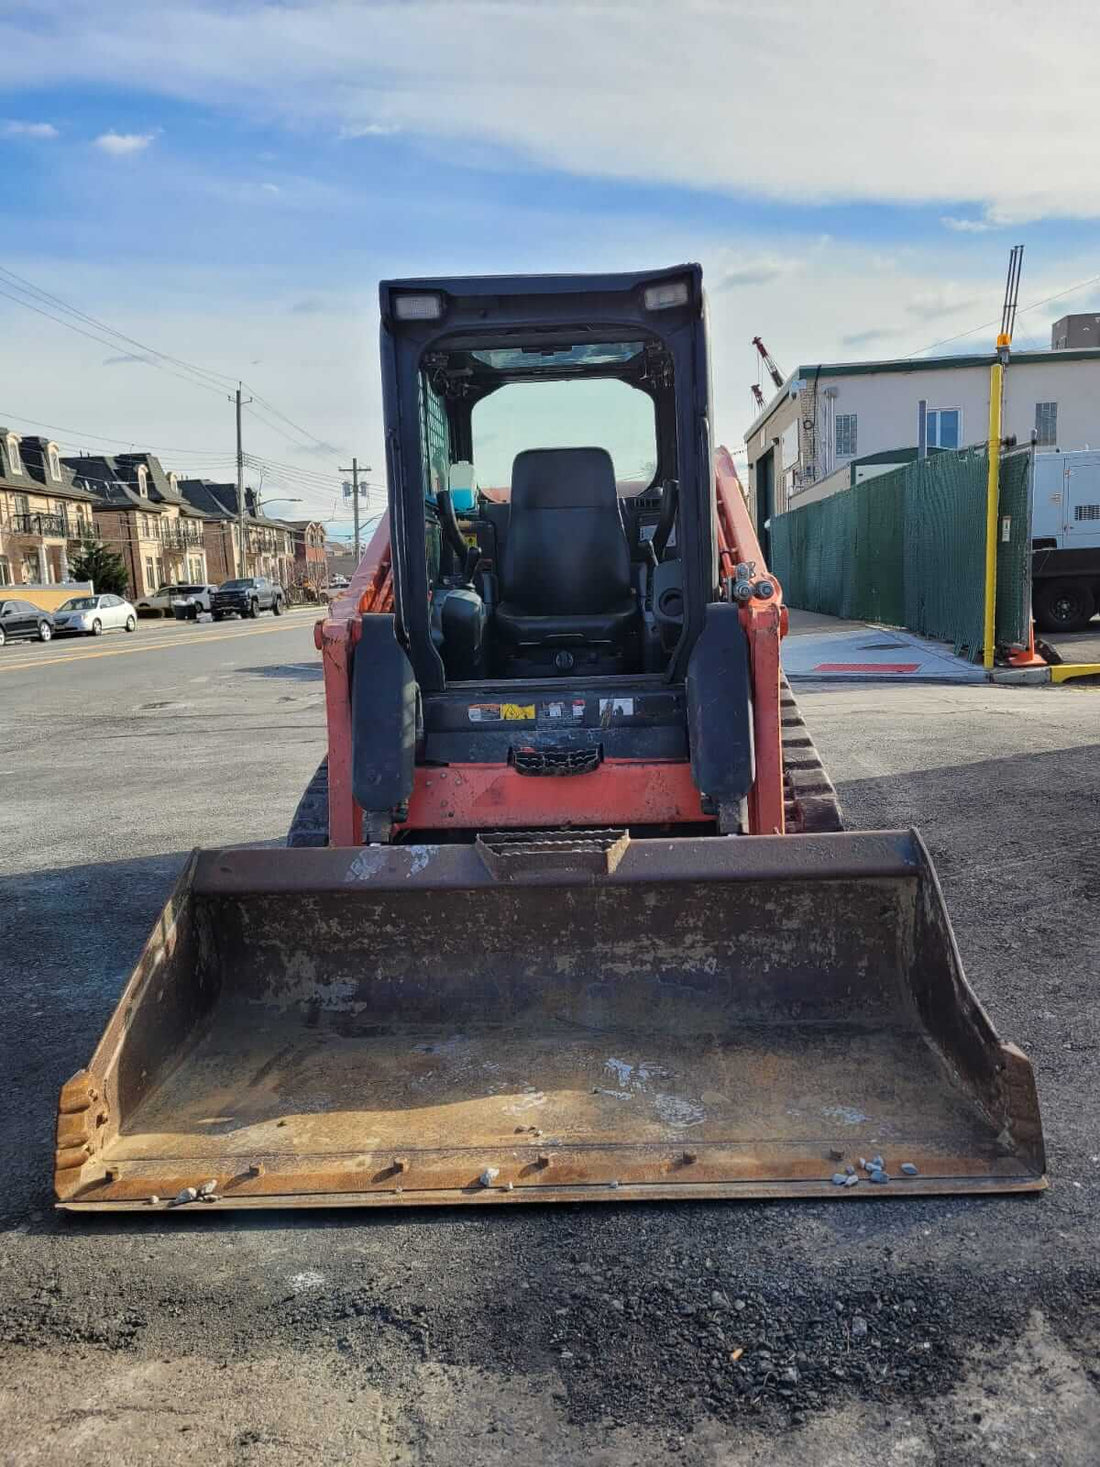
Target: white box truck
(1065,540)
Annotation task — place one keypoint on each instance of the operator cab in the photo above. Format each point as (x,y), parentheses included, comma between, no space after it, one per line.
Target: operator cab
(550,498)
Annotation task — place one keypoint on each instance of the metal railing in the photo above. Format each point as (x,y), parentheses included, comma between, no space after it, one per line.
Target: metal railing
(39,524)
(180,536)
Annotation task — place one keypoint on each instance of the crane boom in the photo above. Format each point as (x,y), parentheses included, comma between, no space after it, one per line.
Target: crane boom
(766,356)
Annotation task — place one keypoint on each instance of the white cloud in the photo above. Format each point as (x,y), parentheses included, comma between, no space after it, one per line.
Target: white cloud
(29,130)
(944,299)
(369,130)
(752,271)
(270,188)
(860,103)
(967,226)
(119,144)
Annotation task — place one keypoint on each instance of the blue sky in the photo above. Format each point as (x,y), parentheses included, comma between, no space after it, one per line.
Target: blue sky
(228,182)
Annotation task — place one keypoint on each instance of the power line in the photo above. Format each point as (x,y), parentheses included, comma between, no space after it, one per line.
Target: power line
(293,470)
(103,341)
(74,445)
(198,376)
(45,295)
(1032,306)
(320,442)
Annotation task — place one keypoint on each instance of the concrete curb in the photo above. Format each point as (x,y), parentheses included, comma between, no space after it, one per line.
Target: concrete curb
(1028,676)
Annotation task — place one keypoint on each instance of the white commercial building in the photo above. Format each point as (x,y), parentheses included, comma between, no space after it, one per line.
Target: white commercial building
(833,424)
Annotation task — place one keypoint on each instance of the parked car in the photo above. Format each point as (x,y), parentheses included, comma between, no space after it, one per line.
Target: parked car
(162,602)
(189,601)
(248,597)
(23,619)
(93,615)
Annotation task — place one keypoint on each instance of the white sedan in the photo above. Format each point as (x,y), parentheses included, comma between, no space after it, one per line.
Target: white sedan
(93,615)
(163,602)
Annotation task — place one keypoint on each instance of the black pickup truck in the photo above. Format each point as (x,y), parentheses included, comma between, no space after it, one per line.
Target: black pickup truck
(247,597)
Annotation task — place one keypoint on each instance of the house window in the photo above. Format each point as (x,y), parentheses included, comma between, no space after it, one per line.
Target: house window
(150,574)
(54,460)
(15,458)
(5,571)
(1046,423)
(143,481)
(845,435)
(944,427)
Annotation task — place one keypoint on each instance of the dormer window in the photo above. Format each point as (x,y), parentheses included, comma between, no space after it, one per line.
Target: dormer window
(143,481)
(53,458)
(15,458)
(172,483)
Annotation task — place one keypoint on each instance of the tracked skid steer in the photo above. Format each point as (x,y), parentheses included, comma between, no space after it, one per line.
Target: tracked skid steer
(568,913)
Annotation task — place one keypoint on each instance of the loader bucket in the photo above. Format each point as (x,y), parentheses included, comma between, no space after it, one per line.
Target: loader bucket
(531,1019)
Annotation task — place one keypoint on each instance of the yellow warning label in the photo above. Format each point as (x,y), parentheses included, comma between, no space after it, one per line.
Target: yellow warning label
(517,712)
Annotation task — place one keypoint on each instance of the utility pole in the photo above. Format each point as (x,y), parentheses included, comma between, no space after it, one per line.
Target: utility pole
(240,481)
(354,472)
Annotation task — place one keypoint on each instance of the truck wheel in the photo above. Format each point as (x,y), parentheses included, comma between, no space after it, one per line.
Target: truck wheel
(253,608)
(1064,606)
(310,824)
(277,606)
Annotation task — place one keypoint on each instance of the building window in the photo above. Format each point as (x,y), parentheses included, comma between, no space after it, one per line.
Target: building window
(143,481)
(944,427)
(54,460)
(150,574)
(5,571)
(845,435)
(1046,423)
(15,458)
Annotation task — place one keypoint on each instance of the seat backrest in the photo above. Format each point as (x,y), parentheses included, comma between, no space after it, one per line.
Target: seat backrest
(566,553)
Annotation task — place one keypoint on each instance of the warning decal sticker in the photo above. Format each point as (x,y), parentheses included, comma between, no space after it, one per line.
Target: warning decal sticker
(562,710)
(501,712)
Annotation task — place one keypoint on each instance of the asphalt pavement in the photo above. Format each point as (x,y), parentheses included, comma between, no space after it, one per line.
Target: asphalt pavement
(929,1331)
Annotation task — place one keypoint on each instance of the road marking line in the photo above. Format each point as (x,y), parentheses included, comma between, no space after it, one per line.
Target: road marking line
(155,647)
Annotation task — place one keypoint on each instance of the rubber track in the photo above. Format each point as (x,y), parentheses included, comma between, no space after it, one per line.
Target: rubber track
(809,797)
(310,824)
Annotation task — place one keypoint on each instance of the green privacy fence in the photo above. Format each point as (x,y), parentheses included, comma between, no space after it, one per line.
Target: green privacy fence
(907,549)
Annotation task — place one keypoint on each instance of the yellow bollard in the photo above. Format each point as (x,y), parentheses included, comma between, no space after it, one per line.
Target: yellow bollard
(992,500)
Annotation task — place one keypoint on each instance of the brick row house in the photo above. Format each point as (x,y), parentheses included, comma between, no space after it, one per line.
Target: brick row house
(45,515)
(269,545)
(141,514)
(310,560)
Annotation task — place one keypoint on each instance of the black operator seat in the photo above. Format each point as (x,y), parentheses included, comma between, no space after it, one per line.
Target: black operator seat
(565,573)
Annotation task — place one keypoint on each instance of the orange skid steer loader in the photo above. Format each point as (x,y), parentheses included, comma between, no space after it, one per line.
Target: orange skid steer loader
(568,912)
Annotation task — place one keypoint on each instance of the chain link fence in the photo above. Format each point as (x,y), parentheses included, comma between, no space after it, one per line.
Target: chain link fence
(907,549)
